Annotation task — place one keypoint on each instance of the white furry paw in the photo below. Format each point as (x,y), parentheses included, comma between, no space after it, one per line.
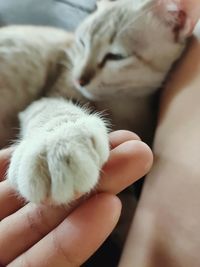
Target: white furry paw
(62,163)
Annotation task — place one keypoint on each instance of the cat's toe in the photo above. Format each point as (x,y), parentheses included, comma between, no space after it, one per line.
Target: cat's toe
(74,172)
(75,159)
(28,172)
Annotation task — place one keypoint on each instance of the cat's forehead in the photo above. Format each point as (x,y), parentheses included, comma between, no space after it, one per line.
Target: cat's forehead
(122,17)
(105,23)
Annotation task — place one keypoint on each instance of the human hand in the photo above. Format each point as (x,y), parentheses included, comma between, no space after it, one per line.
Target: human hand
(46,236)
(168,204)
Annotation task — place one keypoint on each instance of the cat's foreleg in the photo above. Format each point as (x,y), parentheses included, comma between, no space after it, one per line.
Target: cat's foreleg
(60,153)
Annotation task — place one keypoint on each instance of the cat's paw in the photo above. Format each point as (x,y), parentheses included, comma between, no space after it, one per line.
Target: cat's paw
(61,164)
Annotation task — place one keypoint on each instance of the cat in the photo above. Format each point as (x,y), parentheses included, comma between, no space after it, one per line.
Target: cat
(117,58)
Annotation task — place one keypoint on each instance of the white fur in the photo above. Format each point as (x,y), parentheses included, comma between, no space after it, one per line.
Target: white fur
(60,157)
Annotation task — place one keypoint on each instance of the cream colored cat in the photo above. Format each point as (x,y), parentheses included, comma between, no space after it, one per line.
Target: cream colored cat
(116,60)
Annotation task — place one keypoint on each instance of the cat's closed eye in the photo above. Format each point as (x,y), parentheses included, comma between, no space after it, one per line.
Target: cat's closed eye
(111,57)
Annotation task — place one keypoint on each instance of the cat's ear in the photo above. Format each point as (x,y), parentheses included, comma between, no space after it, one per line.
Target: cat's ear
(174,14)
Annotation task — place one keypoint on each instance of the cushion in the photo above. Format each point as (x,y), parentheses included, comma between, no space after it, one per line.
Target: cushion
(65,14)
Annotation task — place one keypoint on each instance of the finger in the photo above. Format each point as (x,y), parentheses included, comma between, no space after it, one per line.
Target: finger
(118,137)
(5,155)
(9,202)
(25,227)
(128,162)
(77,237)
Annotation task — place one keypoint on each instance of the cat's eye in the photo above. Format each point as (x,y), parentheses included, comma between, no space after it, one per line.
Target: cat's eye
(111,57)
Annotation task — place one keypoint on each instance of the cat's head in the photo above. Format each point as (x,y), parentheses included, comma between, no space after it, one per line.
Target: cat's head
(128,46)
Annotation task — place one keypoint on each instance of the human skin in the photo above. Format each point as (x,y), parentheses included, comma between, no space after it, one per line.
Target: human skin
(165,231)
(41,236)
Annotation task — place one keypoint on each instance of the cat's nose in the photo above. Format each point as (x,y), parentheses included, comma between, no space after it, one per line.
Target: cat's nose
(83,81)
